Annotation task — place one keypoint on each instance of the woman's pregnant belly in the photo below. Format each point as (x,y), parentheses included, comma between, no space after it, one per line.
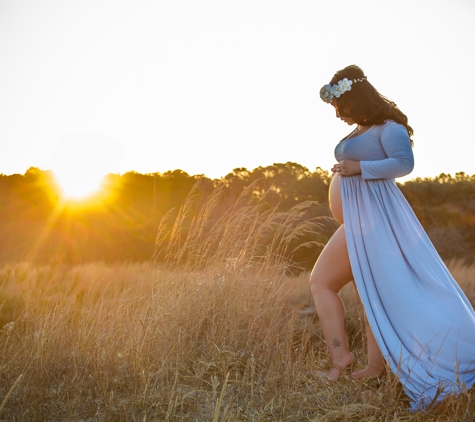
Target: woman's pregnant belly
(334,199)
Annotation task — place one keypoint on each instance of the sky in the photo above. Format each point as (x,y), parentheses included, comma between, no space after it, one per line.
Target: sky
(208,86)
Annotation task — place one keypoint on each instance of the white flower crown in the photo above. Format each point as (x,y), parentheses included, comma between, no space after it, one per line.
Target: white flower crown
(328,92)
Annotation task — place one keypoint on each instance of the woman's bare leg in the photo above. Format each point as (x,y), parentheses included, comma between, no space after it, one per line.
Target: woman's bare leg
(376,363)
(331,272)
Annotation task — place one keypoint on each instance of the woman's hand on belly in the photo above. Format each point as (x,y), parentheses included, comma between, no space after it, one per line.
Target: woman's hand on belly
(347,168)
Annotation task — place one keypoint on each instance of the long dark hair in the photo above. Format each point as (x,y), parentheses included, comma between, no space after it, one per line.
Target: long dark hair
(364,104)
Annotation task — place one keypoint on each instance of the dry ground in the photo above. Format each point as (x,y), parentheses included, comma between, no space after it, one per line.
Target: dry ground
(138,342)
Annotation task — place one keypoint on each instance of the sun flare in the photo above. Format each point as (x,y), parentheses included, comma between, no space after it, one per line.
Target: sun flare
(79,185)
(81,162)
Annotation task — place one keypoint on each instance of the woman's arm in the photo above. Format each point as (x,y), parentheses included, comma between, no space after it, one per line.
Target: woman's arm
(397,145)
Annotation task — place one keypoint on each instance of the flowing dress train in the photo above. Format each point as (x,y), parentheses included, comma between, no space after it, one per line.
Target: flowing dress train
(421,319)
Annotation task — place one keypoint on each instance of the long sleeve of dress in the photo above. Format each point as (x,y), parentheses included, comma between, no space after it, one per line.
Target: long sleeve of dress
(397,146)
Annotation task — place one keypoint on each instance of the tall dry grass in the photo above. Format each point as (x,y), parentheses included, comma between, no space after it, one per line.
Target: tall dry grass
(249,235)
(222,332)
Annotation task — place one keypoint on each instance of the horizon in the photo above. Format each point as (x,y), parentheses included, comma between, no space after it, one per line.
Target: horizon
(191,174)
(83,188)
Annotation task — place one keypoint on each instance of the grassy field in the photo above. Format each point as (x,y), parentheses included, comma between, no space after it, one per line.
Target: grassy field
(222,332)
(133,342)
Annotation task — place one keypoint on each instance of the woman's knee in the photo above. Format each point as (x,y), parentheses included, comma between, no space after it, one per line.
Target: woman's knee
(315,279)
(323,282)
(326,279)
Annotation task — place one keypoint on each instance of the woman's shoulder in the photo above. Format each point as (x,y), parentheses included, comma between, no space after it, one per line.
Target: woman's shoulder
(390,126)
(391,131)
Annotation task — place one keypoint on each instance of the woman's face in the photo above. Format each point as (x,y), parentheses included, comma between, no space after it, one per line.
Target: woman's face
(347,120)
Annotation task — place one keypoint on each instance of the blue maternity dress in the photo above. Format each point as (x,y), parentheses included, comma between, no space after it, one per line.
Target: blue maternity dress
(421,319)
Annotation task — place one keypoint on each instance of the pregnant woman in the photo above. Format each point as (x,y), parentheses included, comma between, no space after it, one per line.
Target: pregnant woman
(418,321)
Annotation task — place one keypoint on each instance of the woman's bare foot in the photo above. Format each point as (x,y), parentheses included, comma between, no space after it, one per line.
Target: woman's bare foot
(339,366)
(371,371)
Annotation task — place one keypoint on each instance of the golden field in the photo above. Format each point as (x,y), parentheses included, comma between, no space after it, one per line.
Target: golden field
(136,342)
(221,330)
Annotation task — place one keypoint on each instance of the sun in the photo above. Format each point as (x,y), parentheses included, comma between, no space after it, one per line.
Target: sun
(79,185)
(81,161)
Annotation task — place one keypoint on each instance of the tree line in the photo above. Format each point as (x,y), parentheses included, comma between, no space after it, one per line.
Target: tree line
(120,223)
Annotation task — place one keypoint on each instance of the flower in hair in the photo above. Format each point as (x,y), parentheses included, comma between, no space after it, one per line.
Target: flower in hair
(329,92)
(343,86)
(326,93)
